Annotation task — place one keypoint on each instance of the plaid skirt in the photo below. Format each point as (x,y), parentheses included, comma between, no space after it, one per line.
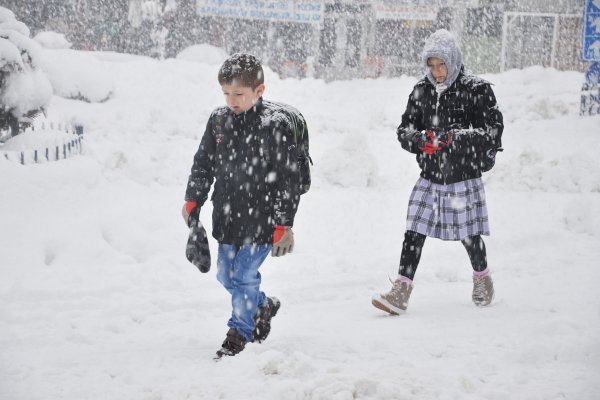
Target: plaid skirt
(448,212)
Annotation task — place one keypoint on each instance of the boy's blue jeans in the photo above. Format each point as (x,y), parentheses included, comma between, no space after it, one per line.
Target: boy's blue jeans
(237,270)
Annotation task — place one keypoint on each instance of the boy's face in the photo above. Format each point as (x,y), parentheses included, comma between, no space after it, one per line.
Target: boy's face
(241,98)
(438,68)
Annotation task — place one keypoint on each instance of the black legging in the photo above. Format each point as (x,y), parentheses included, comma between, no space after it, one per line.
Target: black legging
(413,245)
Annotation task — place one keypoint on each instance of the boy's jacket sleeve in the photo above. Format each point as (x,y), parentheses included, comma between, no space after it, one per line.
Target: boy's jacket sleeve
(287,176)
(203,169)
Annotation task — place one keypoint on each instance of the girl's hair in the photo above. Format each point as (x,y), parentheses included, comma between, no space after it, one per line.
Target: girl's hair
(242,69)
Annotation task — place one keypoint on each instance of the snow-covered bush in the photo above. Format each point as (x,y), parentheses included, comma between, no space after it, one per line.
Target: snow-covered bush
(73,74)
(77,75)
(24,88)
(203,53)
(52,40)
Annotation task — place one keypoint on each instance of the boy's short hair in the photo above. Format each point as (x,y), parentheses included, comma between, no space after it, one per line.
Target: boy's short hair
(242,69)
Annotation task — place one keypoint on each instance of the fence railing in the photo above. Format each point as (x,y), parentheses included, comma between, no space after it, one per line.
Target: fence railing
(46,153)
(547,39)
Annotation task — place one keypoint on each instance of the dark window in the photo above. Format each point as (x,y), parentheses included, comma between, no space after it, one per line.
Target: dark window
(353,38)
(327,42)
(484,21)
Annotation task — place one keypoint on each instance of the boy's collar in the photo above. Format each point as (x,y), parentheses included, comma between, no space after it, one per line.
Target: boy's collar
(252,110)
(257,106)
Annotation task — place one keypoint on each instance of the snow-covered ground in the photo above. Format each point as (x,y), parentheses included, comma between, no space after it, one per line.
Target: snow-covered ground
(97,300)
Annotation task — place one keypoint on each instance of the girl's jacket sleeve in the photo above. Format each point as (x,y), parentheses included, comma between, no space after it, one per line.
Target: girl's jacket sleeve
(486,124)
(409,131)
(203,169)
(286,175)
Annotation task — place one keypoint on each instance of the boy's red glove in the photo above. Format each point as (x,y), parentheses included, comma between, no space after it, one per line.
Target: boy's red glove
(187,209)
(190,205)
(283,241)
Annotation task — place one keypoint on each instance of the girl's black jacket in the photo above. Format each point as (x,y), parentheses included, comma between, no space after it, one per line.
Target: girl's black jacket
(468,111)
(252,159)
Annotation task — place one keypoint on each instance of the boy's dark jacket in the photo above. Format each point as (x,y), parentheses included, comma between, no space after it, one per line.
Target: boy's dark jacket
(252,159)
(468,109)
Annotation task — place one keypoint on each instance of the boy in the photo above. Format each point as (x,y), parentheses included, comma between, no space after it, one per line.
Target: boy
(249,150)
(453,125)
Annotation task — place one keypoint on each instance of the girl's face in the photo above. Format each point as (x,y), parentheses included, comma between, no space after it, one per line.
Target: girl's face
(241,98)
(438,68)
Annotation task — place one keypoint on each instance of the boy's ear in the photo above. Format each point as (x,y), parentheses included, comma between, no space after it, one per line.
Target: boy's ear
(260,89)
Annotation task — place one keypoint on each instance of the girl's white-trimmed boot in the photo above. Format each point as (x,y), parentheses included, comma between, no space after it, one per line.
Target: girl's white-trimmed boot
(395,301)
(483,288)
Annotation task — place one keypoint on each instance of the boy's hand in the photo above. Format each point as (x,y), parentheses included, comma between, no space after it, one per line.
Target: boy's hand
(283,241)
(187,209)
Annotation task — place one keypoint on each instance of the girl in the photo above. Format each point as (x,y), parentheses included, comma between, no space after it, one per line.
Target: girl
(453,125)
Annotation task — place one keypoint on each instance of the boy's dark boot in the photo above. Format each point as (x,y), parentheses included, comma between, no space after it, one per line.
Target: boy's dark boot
(263,319)
(233,344)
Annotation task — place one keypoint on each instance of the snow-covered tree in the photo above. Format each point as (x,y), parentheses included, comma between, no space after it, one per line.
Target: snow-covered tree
(24,88)
(147,25)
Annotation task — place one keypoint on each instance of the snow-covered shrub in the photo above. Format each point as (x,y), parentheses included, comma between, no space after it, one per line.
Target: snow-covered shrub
(52,40)
(203,53)
(77,75)
(24,88)
(73,74)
